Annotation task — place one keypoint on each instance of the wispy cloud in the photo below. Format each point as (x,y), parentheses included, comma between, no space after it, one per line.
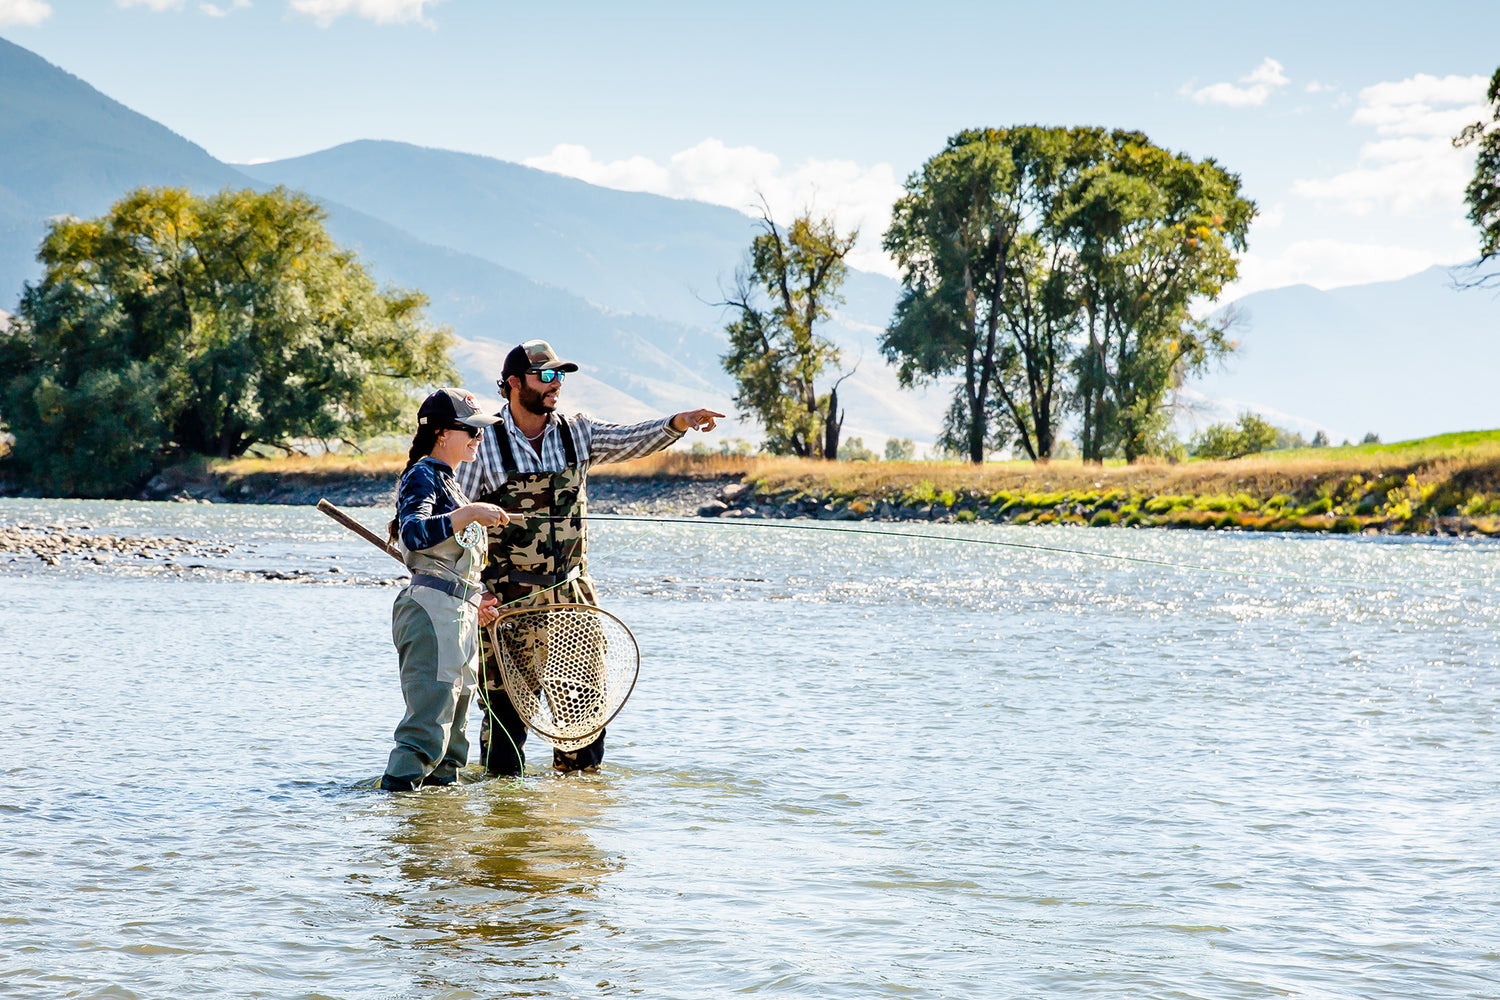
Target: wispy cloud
(24,12)
(1413,165)
(218,10)
(740,176)
(325,12)
(1252,89)
(156,5)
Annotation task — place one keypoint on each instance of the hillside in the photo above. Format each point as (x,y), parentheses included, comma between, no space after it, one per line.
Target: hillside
(1404,359)
(65,148)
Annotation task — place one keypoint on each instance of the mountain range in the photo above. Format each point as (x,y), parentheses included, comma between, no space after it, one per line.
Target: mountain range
(628,283)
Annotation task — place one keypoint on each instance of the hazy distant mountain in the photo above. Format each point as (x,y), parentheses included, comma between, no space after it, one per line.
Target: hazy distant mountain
(1403,358)
(633,252)
(67,149)
(640,253)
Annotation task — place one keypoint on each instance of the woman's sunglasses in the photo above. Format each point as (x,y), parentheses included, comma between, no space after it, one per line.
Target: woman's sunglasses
(474,432)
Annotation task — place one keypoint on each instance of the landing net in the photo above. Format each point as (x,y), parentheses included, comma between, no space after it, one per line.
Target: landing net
(568,669)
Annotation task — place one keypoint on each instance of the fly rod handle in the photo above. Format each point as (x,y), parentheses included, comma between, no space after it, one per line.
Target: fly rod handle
(360,530)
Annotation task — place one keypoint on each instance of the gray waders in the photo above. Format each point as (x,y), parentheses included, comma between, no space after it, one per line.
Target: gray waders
(435,625)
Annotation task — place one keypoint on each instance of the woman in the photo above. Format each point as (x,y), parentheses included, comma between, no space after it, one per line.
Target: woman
(436,619)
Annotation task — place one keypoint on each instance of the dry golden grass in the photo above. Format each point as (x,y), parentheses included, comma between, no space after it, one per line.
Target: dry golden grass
(1264,475)
(1473,459)
(378,463)
(681,464)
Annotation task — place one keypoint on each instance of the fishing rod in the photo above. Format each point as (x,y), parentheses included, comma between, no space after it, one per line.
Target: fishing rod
(1002,543)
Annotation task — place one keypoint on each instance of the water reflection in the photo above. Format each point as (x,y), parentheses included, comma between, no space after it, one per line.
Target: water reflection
(507,861)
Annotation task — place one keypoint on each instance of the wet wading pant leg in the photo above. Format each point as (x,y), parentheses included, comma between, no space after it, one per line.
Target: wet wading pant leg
(431,742)
(502,735)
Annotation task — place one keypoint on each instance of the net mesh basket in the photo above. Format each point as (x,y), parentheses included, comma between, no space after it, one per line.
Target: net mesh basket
(568,669)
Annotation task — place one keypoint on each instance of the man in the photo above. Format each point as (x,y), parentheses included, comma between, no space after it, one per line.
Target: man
(535,462)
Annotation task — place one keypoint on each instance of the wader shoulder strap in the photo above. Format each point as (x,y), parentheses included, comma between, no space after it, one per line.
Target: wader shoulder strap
(569,448)
(502,441)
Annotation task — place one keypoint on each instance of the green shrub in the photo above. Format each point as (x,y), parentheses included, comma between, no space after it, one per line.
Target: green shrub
(1165,504)
(854,450)
(1250,435)
(1104,518)
(900,450)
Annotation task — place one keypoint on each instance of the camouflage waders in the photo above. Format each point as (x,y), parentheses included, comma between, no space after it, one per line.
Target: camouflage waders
(533,562)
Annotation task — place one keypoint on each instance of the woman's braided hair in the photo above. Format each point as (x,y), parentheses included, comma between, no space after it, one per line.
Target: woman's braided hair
(422,444)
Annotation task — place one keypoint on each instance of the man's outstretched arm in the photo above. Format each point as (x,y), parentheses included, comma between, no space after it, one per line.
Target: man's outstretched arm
(622,442)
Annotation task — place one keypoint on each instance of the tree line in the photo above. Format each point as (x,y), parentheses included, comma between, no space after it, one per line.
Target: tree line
(1050,271)
(1053,274)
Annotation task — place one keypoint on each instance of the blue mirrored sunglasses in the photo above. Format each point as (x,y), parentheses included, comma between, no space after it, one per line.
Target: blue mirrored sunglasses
(549,375)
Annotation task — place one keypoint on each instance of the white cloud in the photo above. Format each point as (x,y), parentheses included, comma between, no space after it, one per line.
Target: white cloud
(1258,85)
(739,176)
(325,12)
(25,12)
(156,5)
(1328,263)
(214,10)
(1414,165)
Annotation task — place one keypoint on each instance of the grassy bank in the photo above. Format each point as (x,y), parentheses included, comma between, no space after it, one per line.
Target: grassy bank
(1446,483)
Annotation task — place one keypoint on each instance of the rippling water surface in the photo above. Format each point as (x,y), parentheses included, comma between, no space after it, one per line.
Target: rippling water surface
(854,766)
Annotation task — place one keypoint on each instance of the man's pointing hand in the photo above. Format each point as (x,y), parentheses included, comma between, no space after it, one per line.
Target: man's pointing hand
(701,419)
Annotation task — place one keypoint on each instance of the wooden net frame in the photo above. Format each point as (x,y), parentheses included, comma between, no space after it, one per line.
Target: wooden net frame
(568,669)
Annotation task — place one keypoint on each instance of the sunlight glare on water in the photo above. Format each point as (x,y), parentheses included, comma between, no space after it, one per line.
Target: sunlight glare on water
(853,767)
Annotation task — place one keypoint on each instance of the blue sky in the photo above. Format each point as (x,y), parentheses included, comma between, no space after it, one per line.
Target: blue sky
(1336,115)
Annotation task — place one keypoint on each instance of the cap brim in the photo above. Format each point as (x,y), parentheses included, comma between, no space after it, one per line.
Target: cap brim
(561,366)
(479,420)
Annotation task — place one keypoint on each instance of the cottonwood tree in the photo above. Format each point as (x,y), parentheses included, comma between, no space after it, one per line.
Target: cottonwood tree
(1483,191)
(953,234)
(179,325)
(990,290)
(1030,252)
(777,357)
(1153,233)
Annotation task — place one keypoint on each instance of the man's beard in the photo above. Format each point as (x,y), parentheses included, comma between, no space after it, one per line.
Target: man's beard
(534,402)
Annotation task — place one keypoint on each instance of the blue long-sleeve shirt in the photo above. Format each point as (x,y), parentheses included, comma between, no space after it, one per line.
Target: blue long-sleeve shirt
(427,495)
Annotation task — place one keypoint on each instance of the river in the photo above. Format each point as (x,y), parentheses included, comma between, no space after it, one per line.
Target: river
(854,766)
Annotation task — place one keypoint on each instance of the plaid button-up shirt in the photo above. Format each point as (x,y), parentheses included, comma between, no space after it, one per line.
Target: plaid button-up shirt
(597,443)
